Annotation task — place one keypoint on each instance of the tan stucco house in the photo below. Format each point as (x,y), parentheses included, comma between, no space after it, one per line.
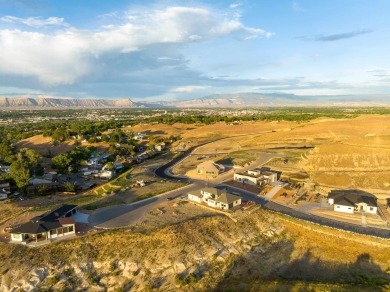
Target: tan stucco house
(209,167)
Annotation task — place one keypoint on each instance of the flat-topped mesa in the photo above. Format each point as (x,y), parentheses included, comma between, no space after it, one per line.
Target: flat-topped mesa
(48,102)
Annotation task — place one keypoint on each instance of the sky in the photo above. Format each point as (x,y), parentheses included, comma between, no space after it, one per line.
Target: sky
(177,50)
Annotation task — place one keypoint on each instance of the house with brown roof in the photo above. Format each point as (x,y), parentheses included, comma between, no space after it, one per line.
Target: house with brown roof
(47,227)
(215,198)
(209,167)
(350,201)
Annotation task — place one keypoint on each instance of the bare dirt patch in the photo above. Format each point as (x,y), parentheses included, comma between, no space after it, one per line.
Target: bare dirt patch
(172,213)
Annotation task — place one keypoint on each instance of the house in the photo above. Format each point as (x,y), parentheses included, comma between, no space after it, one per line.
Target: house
(40,182)
(256,177)
(350,201)
(210,168)
(107,174)
(160,147)
(95,160)
(118,166)
(5,186)
(215,198)
(139,136)
(4,194)
(4,168)
(53,225)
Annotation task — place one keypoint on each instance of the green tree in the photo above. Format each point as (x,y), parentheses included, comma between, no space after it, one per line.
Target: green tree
(39,170)
(61,161)
(7,152)
(109,165)
(32,156)
(20,173)
(59,134)
(69,187)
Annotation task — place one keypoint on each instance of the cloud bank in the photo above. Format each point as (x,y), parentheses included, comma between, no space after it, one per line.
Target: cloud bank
(71,55)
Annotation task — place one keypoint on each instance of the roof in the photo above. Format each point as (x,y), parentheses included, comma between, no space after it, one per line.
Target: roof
(208,165)
(352,198)
(228,198)
(196,193)
(46,222)
(57,213)
(213,191)
(36,226)
(221,195)
(66,221)
(249,175)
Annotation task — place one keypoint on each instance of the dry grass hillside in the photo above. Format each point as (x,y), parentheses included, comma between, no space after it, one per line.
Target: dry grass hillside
(261,251)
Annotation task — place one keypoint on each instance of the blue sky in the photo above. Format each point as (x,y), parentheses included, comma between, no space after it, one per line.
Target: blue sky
(168,50)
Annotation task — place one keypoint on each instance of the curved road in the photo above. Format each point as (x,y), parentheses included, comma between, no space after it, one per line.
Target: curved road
(118,216)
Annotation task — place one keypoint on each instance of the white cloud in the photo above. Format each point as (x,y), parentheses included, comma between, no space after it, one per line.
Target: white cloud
(235,5)
(186,89)
(35,21)
(66,56)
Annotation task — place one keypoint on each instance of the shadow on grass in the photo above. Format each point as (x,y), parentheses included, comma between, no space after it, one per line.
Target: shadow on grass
(273,271)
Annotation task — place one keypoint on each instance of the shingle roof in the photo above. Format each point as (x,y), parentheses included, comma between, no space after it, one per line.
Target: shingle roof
(57,213)
(36,226)
(352,197)
(221,195)
(228,198)
(46,222)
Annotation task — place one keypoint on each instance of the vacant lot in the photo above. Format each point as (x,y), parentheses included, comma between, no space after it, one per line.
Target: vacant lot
(44,145)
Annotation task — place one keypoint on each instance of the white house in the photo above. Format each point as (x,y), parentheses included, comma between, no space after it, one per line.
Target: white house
(160,147)
(107,174)
(215,198)
(4,168)
(139,136)
(350,201)
(3,194)
(256,177)
(53,225)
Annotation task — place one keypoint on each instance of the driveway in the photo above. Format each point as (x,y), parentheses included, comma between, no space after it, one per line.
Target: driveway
(124,215)
(272,192)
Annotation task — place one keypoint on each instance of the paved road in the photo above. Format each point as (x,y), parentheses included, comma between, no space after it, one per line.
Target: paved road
(119,216)
(123,215)
(163,171)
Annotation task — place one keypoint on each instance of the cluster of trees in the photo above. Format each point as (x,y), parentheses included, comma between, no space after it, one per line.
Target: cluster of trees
(23,164)
(70,161)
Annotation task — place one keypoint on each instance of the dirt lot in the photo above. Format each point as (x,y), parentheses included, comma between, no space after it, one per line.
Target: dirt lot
(43,145)
(371,219)
(174,212)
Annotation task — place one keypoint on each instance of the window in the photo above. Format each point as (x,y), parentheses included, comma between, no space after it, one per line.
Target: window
(52,232)
(338,207)
(71,228)
(371,209)
(16,236)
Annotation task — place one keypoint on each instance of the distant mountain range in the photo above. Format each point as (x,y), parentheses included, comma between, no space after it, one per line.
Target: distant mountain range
(237,100)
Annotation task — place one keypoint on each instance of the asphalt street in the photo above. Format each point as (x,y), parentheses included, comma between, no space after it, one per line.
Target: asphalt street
(120,216)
